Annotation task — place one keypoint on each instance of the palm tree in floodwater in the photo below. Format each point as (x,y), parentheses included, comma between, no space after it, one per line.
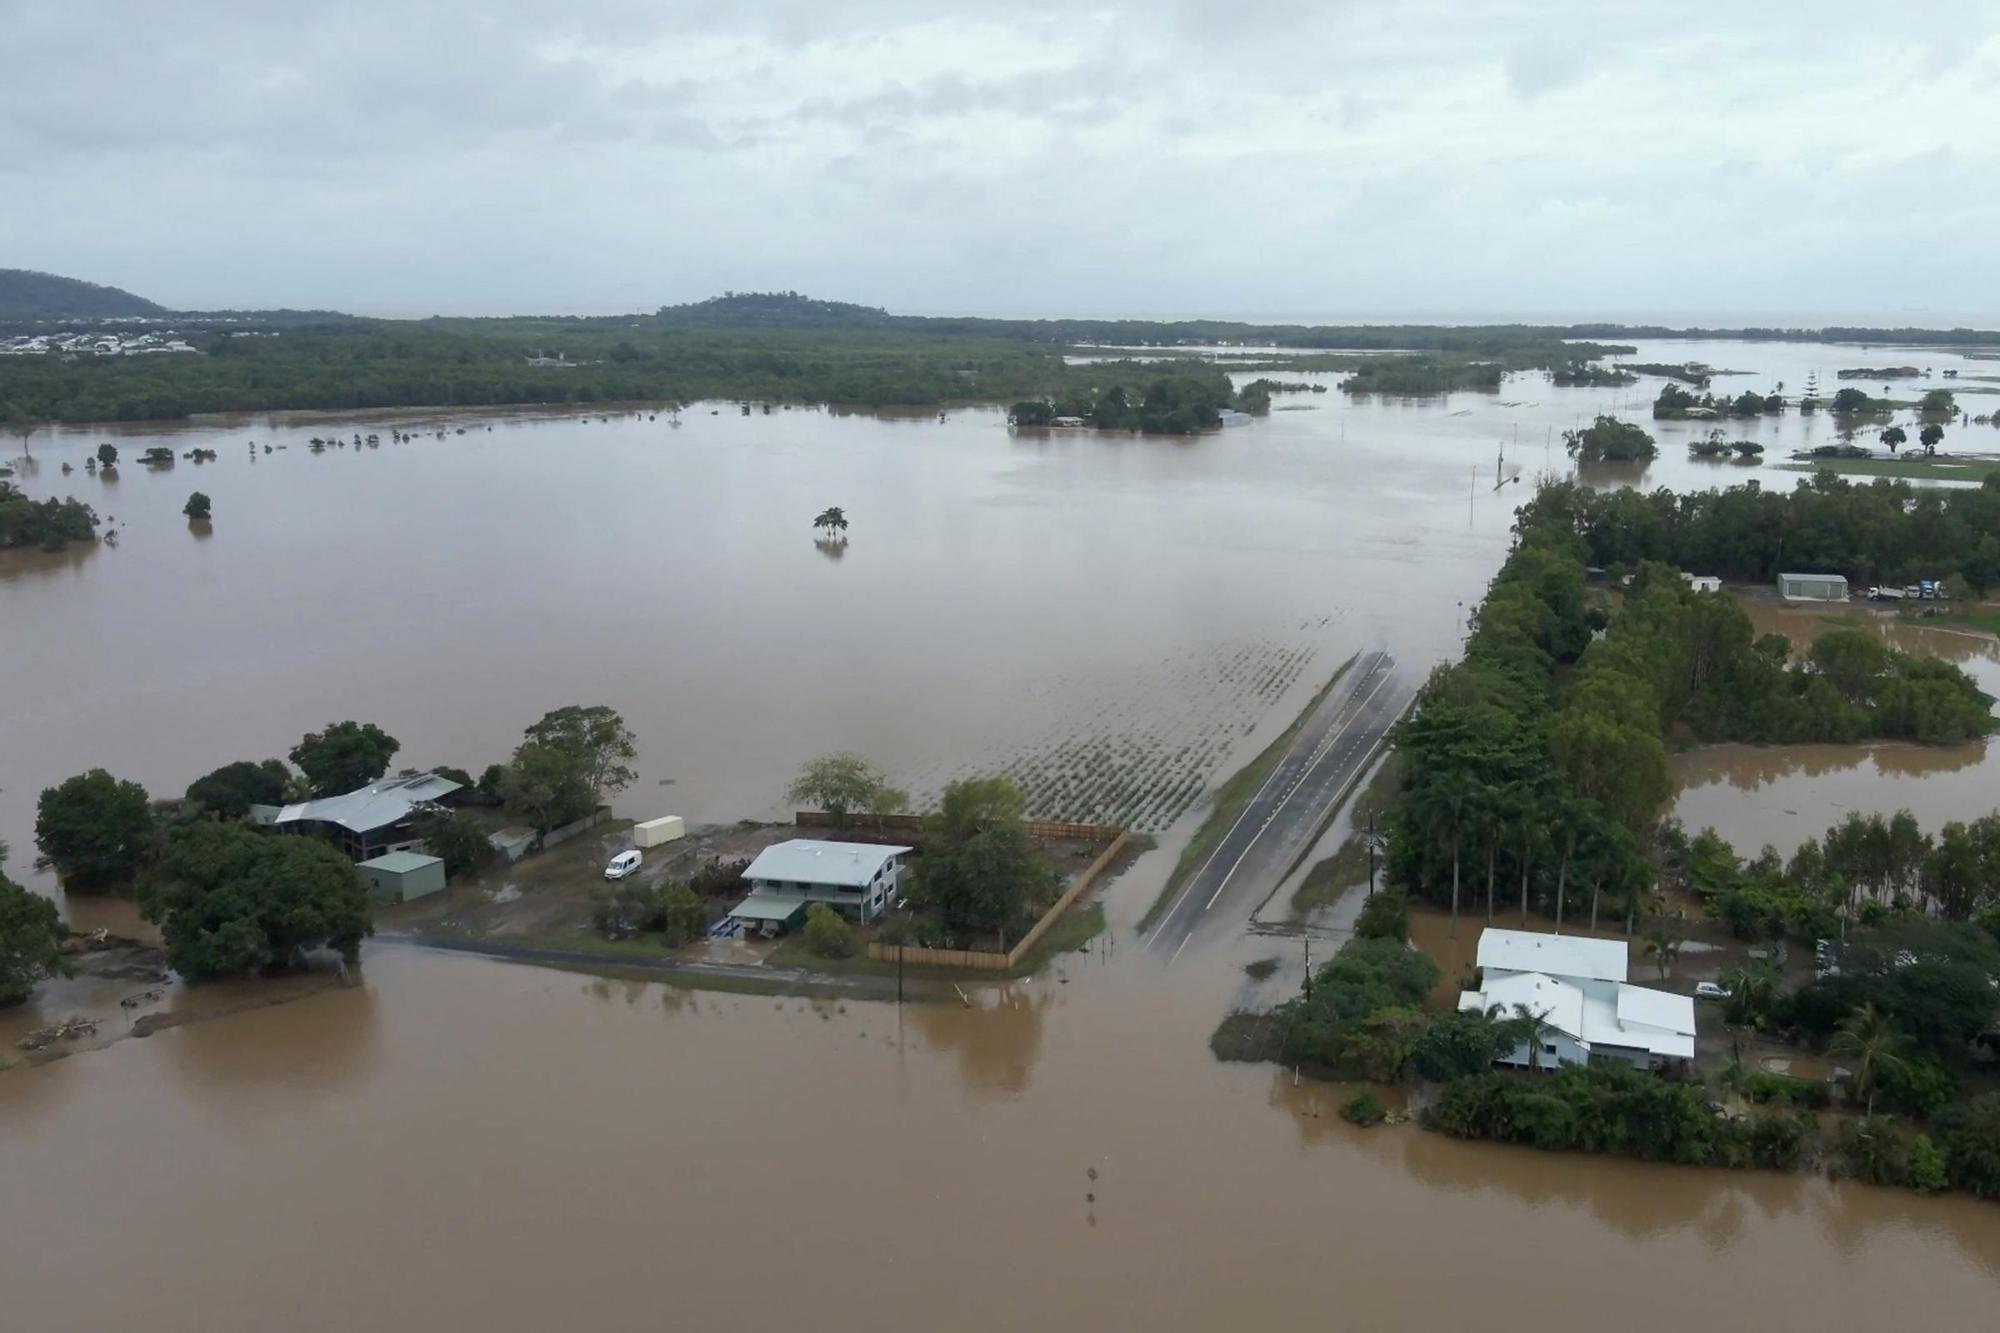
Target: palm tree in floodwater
(831,520)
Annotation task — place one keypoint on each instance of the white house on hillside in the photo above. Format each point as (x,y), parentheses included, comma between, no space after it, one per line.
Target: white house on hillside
(1577,985)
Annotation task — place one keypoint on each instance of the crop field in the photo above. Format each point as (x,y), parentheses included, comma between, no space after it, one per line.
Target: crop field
(1141,750)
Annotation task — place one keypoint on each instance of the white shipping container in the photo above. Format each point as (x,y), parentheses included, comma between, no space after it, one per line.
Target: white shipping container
(667,828)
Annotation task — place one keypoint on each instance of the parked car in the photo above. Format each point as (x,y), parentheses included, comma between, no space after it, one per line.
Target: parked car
(1710,990)
(621,865)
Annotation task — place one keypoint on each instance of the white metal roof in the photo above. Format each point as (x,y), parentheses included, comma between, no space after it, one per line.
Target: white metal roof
(1557,955)
(1556,1002)
(401,863)
(374,806)
(809,861)
(1637,1019)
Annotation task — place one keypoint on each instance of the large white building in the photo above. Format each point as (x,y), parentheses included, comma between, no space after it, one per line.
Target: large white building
(1577,986)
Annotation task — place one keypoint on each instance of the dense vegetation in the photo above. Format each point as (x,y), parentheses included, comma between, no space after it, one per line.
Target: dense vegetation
(779,347)
(31,938)
(1877,532)
(1422,374)
(1538,762)
(1675,403)
(1869,868)
(95,829)
(28,295)
(1189,399)
(50,524)
(232,901)
(1609,440)
(1584,374)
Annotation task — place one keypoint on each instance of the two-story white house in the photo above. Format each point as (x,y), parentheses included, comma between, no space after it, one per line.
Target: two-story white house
(1577,986)
(857,879)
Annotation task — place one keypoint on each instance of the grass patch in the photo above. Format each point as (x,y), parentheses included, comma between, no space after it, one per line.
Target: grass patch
(1247,1039)
(1986,622)
(1348,866)
(1916,469)
(1231,797)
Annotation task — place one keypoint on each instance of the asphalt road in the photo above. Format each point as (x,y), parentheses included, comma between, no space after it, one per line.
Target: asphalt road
(1335,747)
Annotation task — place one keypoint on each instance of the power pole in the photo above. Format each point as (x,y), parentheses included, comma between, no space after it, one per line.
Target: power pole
(1307,937)
(1371,851)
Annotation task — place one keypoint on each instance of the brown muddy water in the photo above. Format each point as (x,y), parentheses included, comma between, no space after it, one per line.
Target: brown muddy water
(461,1143)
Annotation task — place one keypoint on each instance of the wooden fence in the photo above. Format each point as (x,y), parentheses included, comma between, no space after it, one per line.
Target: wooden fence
(982,960)
(1043,829)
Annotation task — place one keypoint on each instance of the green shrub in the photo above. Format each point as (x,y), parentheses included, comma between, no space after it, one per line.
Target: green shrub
(1386,916)
(1927,1166)
(827,934)
(1459,1042)
(1872,1149)
(1969,1133)
(1919,1086)
(1363,1108)
(683,916)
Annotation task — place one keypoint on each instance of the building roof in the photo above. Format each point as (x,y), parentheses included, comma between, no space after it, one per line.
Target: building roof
(1841,577)
(1557,955)
(377,805)
(401,863)
(1635,1018)
(810,861)
(767,907)
(1556,1002)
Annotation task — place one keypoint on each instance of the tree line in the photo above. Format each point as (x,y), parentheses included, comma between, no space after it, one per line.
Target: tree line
(1882,531)
(49,524)
(1537,763)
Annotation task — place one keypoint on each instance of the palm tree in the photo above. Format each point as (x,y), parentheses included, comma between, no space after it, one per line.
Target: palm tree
(1870,1047)
(1526,809)
(1492,822)
(1533,1027)
(832,519)
(1663,943)
(1449,800)
(1573,819)
(1751,992)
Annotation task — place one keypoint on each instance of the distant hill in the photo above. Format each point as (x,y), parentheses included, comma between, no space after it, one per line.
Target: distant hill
(772,310)
(26,294)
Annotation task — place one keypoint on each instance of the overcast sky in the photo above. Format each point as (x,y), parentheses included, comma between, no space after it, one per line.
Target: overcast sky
(1329,159)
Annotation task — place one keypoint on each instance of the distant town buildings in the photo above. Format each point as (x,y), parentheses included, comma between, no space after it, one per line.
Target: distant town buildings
(71,346)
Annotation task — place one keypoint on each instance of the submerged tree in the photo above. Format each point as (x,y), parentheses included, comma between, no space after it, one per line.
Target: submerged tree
(196,508)
(31,938)
(831,520)
(95,828)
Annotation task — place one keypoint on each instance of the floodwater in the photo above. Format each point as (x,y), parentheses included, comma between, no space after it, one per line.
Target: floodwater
(456,1142)
(463,1144)
(1782,795)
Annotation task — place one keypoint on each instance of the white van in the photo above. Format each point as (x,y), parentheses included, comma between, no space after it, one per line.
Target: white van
(621,865)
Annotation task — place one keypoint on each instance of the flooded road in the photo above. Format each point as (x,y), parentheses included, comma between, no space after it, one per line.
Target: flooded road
(464,1143)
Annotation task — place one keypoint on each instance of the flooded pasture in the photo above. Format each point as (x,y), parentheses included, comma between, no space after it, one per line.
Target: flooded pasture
(456,1142)
(1782,795)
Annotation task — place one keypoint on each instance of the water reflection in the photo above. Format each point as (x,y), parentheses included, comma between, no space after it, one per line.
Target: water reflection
(833,548)
(996,1042)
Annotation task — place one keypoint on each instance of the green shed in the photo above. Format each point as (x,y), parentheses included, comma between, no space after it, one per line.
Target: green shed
(397,877)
